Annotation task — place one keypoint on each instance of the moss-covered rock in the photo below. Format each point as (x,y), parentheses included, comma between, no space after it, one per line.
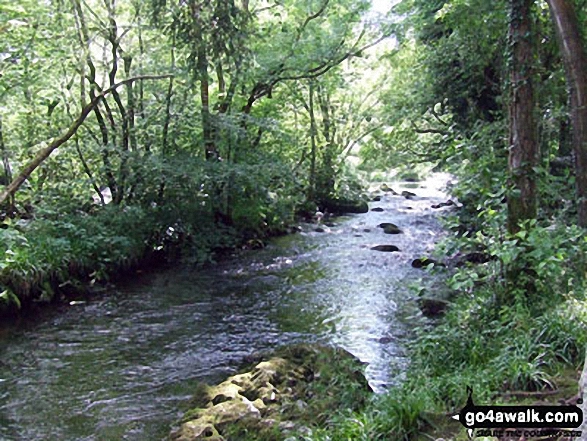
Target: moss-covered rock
(296,387)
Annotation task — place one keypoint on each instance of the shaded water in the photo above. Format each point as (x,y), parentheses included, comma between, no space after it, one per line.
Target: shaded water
(124,366)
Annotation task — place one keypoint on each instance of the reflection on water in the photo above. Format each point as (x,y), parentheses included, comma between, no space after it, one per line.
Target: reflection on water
(123,366)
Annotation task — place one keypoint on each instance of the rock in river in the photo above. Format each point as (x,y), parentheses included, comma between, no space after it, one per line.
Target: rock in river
(389,228)
(408,194)
(387,225)
(392,229)
(379,209)
(385,248)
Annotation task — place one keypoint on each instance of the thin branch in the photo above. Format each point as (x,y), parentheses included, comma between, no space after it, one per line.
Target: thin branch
(438,118)
(424,131)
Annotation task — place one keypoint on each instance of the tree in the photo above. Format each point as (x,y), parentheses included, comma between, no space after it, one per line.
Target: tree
(574,57)
(523,147)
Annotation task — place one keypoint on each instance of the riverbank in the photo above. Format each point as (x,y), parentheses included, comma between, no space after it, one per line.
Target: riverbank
(60,258)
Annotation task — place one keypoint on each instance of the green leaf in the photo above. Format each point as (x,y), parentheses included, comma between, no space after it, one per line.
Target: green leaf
(10,298)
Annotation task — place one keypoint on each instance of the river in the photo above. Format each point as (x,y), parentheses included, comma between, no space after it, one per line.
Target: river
(122,366)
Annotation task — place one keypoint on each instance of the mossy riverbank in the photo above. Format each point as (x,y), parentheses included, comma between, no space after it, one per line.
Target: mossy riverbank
(294,389)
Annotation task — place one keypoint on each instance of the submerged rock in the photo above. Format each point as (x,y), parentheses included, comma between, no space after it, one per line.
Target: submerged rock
(385,248)
(408,194)
(296,387)
(379,209)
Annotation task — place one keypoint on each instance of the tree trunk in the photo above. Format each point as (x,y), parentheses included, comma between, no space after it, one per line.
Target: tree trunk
(523,148)
(85,43)
(7,178)
(203,76)
(575,61)
(313,134)
(168,98)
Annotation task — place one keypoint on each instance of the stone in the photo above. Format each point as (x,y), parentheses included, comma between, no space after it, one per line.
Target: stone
(196,430)
(299,382)
(385,248)
(377,209)
(376,199)
(231,411)
(387,225)
(408,194)
(391,229)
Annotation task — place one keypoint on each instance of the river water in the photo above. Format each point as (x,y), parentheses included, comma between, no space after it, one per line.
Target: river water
(123,366)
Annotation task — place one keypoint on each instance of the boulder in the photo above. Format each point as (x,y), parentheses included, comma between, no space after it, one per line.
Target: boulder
(386,248)
(376,199)
(378,209)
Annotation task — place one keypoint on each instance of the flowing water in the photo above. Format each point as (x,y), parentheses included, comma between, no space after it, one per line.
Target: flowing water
(123,366)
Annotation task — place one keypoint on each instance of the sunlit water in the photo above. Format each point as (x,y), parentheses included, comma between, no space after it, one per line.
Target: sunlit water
(124,366)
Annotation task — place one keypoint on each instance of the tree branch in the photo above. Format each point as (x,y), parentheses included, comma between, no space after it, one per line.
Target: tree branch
(45,152)
(423,131)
